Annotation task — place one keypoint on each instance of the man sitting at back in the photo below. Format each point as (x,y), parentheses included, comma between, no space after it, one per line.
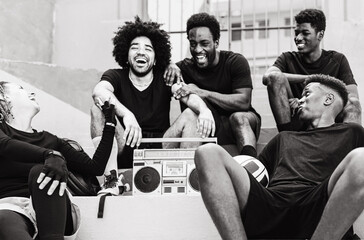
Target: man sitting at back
(222,79)
(284,80)
(316,187)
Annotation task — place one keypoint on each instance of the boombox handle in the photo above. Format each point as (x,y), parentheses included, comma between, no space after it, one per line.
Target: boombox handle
(161,140)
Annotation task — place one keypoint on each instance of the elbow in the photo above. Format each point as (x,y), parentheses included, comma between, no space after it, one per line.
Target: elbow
(271,76)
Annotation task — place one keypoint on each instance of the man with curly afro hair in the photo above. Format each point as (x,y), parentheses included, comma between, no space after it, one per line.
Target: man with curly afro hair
(284,80)
(142,98)
(223,80)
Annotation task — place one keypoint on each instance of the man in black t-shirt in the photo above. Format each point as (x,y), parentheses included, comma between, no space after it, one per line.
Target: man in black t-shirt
(142,99)
(284,80)
(222,79)
(316,186)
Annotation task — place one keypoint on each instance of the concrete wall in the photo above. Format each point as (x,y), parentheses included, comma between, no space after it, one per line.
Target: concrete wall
(26,30)
(73,86)
(84,30)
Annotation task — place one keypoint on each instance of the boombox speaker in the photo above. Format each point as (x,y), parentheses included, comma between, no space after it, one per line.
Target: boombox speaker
(166,171)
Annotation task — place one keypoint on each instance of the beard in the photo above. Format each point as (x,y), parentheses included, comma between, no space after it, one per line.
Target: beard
(141,74)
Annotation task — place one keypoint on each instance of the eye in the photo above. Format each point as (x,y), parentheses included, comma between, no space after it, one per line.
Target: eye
(193,44)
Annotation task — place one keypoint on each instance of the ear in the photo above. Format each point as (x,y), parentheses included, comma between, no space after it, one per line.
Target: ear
(216,43)
(321,35)
(330,98)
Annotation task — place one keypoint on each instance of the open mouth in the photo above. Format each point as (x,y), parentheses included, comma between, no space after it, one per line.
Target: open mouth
(300,45)
(140,60)
(201,58)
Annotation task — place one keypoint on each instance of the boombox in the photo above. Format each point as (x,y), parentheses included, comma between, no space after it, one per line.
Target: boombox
(166,171)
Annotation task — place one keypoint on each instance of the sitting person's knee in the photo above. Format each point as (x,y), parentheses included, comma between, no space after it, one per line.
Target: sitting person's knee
(188,115)
(239,119)
(355,167)
(96,113)
(34,173)
(204,155)
(273,78)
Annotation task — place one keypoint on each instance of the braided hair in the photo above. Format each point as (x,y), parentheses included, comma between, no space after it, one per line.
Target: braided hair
(5,112)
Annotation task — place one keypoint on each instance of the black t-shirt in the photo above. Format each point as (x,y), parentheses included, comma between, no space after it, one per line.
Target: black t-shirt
(232,72)
(20,151)
(150,106)
(330,63)
(297,160)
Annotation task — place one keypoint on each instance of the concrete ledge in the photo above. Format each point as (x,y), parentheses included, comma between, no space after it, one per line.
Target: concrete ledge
(146,217)
(153,217)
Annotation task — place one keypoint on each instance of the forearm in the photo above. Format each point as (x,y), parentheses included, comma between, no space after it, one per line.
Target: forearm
(229,102)
(81,162)
(21,151)
(107,95)
(194,102)
(295,78)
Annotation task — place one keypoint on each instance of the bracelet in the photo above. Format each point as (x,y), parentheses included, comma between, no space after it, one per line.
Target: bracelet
(110,124)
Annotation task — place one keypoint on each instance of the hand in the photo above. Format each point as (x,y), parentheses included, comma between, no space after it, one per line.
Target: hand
(108,110)
(133,132)
(294,104)
(206,123)
(172,74)
(187,89)
(54,168)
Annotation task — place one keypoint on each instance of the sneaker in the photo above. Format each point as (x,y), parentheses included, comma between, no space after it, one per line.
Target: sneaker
(124,187)
(111,184)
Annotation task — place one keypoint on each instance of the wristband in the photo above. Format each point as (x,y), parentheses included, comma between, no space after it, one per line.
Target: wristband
(110,124)
(55,153)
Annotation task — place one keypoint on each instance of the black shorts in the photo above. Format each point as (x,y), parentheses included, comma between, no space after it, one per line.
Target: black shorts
(125,159)
(223,130)
(269,214)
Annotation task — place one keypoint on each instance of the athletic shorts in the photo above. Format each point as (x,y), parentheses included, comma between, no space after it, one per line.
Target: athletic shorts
(223,130)
(125,159)
(24,207)
(269,214)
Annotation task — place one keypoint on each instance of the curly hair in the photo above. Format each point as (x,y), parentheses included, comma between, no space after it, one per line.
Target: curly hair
(4,105)
(315,17)
(204,20)
(149,29)
(330,82)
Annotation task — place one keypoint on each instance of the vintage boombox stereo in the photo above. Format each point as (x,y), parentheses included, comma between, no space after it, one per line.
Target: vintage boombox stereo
(166,171)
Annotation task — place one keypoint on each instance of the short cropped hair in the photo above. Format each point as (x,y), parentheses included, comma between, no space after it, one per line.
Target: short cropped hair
(204,20)
(330,82)
(315,17)
(158,37)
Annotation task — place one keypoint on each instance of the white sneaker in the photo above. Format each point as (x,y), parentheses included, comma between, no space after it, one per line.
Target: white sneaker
(111,184)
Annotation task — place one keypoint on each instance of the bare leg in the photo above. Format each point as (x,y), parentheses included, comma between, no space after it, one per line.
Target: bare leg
(242,125)
(184,126)
(279,92)
(97,126)
(345,204)
(225,187)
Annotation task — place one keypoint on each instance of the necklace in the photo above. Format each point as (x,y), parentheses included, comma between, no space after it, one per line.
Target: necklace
(141,84)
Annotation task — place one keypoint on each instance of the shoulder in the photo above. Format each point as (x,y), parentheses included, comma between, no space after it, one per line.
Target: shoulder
(115,73)
(334,55)
(185,63)
(231,56)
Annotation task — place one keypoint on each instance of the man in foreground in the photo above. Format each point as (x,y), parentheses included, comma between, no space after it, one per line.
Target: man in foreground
(316,189)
